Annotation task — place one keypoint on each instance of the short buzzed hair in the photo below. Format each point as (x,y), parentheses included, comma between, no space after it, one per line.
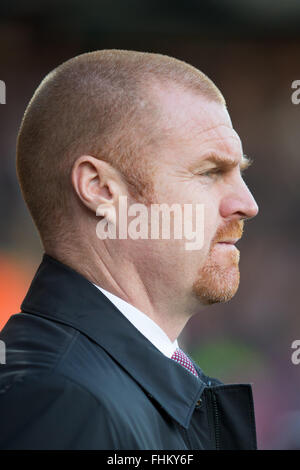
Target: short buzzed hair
(98,104)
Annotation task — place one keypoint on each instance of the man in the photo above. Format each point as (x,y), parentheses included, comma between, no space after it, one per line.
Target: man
(93,360)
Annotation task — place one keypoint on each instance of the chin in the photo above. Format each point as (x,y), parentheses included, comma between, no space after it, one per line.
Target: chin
(216,285)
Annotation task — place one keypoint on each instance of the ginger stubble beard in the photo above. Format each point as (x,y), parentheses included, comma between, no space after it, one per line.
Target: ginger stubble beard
(219,278)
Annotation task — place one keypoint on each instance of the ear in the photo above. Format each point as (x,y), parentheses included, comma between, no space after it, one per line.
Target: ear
(95,184)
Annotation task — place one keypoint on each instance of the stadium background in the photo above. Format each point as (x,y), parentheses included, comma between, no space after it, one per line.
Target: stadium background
(251,50)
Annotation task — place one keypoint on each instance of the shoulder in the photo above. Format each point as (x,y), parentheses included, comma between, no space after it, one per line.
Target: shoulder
(38,346)
(50,411)
(33,344)
(56,387)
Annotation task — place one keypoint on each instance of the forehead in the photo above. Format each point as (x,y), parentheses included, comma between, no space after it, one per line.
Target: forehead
(194,127)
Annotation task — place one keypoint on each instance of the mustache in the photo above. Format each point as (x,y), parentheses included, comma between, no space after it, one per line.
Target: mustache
(233,229)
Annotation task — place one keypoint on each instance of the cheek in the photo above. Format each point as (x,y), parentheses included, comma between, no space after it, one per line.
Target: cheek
(193,192)
(211,221)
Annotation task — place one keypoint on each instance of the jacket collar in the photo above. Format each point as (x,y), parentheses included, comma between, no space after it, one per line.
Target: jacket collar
(59,293)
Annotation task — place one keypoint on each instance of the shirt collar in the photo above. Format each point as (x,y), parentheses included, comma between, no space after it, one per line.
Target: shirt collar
(59,293)
(144,324)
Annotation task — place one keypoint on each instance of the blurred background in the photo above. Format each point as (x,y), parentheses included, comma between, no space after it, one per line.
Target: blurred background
(251,50)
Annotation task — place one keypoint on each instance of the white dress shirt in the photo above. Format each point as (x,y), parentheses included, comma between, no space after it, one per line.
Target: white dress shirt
(144,324)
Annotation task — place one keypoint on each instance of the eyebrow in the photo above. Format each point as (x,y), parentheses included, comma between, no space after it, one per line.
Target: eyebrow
(226,161)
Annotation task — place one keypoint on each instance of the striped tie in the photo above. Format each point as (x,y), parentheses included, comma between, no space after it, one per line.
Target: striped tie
(183,360)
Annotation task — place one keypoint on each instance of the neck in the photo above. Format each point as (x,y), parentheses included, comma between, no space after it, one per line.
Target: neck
(121,277)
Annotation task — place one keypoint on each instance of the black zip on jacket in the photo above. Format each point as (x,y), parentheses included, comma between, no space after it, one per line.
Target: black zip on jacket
(79,375)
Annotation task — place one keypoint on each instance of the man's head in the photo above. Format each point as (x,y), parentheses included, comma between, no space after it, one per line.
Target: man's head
(99,104)
(112,123)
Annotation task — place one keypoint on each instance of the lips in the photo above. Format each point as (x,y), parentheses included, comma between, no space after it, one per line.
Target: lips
(232,241)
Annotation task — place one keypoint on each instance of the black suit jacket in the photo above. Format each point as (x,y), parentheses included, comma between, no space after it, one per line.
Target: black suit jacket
(79,375)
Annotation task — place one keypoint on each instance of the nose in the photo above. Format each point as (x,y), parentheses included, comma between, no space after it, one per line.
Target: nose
(240,202)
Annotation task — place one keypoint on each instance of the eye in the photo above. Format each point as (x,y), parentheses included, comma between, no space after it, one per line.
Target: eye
(212,172)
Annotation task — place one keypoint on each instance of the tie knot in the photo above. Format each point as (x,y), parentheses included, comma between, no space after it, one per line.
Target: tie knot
(182,359)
